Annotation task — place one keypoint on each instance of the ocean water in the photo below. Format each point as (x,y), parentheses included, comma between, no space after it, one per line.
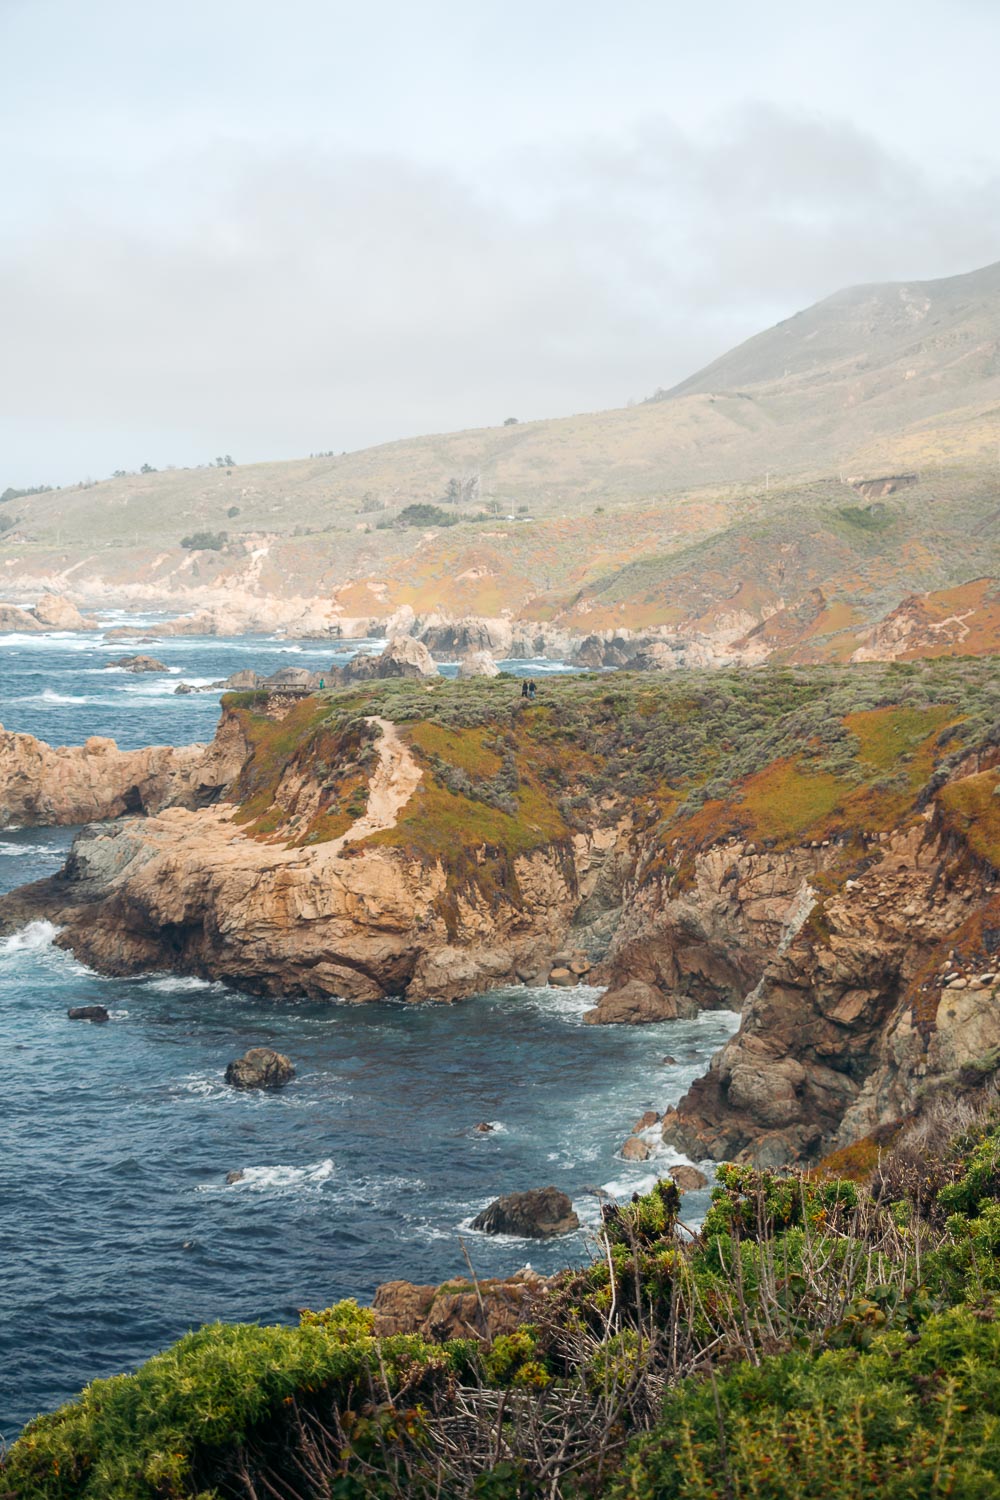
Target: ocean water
(118,1231)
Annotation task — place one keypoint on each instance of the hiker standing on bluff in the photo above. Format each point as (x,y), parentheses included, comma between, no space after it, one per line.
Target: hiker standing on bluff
(524,688)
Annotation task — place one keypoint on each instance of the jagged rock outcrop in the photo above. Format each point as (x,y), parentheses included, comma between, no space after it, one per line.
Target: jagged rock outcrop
(661,649)
(248,612)
(448,636)
(41,785)
(15,619)
(56,612)
(402,657)
(191,890)
(849,1016)
(52,612)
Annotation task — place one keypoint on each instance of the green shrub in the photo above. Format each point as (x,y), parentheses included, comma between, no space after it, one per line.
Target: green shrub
(205,541)
(160,1431)
(909,1418)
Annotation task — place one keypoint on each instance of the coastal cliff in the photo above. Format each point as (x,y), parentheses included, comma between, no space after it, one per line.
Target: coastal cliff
(815,849)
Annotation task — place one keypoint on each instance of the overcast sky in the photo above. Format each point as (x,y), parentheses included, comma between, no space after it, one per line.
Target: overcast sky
(239,226)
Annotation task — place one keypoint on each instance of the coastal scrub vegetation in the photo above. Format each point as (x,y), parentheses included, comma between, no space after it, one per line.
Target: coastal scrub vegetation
(818,1338)
(777,755)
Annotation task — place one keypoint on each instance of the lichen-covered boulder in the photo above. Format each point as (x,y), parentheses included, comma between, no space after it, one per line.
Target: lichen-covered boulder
(538,1214)
(260,1068)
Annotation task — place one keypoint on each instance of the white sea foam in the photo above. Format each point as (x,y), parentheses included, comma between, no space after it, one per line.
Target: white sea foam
(49,695)
(173,984)
(280,1179)
(13,851)
(623,1187)
(211,1086)
(465,1227)
(569,1003)
(31,939)
(44,640)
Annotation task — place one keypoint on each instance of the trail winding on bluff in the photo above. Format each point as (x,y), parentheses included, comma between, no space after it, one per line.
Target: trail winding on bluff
(395,779)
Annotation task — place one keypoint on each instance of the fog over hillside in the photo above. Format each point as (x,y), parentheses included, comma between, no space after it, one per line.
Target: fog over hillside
(240,234)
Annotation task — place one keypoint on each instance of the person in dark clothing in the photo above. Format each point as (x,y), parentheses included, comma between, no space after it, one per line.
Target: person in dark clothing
(532,688)
(524,688)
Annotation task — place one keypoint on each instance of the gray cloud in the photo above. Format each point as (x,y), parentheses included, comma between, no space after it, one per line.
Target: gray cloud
(269,294)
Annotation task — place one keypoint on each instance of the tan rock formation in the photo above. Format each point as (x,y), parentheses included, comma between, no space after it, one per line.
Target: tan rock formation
(636,1003)
(191,890)
(458,1309)
(687,1179)
(635,1149)
(478,664)
(402,657)
(15,619)
(56,612)
(848,1016)
(41,785)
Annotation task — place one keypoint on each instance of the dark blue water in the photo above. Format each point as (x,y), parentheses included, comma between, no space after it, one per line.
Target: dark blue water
(117,1229)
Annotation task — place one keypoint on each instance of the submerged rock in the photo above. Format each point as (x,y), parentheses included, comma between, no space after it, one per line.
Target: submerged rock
(260,1068)
(87,1013)
(236,1176)
(137,663)
(537,1214)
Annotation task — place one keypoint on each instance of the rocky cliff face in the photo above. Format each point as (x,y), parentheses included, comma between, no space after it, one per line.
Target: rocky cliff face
(838,885)
(41,785)
(189,890)
(872,975)
(194,890)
